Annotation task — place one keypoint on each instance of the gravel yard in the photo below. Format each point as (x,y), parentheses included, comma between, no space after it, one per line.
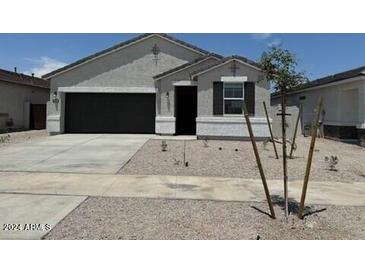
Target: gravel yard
(236,159)
(139,218)
(7,139)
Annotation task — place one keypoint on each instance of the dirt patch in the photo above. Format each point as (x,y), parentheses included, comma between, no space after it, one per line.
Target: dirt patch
(140,218)
(236,159)
(8,139)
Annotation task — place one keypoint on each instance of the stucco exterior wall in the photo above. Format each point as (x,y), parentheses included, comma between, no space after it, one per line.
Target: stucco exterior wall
(343,104)
(290,121)
(205,88)
(228,126)
(15,100)
(133,66)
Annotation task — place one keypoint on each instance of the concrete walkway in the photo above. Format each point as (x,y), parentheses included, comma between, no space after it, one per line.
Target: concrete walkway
(175,187)
(29,217)
(33,198)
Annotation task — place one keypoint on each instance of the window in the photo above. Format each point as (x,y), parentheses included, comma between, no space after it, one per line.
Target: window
(233,98)
(302,98)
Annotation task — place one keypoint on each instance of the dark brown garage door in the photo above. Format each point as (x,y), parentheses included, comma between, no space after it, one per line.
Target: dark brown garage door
(110,113)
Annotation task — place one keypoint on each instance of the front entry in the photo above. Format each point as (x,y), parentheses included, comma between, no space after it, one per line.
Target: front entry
(186,109)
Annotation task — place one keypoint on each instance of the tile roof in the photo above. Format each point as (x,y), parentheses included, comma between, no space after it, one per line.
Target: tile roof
(330,79)
(122,45)
(22,79)
(188,64)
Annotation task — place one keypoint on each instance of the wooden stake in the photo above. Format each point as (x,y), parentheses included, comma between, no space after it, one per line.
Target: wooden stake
(272,136)
(283,132)
(295,132)
(258,161)
(310,156)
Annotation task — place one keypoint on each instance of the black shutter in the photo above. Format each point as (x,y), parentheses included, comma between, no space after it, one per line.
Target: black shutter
(250,97)
(217,98)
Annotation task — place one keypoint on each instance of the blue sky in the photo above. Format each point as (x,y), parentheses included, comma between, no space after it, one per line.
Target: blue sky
(319,54)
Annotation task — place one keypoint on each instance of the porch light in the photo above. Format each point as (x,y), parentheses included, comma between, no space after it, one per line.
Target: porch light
(54,97)
(167,95)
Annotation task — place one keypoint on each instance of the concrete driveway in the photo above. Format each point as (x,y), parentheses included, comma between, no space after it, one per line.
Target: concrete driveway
(73,153)
(29,215)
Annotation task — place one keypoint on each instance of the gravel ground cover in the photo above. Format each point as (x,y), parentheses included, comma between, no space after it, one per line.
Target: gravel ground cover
(7,139)
(236,159)
(140,218)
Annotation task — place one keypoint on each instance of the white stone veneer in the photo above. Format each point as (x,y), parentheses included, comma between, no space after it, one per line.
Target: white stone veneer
(165,125)
(231,126)
(53,124)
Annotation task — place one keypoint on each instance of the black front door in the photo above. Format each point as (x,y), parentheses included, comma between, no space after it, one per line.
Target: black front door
(186,110)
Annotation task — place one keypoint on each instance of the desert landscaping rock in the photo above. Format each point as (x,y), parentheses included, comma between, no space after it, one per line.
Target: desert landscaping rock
(22,136)
(236,159)
(140,218)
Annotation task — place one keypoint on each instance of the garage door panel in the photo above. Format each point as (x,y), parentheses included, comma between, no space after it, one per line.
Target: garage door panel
(110,113)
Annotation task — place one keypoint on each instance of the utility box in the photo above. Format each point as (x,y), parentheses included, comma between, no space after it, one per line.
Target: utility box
(307,130)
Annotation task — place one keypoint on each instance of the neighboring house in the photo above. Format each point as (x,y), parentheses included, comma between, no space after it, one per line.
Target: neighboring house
(343,115)
(23,100)
(155,83)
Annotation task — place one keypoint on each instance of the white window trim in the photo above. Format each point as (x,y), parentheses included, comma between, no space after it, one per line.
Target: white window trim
(228,98)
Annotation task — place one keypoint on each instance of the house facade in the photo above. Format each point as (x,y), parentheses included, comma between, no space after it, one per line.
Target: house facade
(343,114)
(161,85)
(23,100)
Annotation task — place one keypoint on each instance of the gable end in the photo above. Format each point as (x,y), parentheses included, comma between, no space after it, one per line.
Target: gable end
(121,46)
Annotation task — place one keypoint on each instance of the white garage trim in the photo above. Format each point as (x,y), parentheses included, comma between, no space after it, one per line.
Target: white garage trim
(147,90)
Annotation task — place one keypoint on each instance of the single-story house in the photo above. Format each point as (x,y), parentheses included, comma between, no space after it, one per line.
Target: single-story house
(23,100)
(343,114)
(158,84)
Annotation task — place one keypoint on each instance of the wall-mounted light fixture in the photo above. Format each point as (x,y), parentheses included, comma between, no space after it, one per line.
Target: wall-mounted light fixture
(167,95)
(55,98)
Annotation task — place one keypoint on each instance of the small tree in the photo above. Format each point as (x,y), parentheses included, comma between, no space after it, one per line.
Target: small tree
(279,67)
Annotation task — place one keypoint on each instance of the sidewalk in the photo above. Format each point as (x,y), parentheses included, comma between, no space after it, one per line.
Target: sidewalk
(176,187)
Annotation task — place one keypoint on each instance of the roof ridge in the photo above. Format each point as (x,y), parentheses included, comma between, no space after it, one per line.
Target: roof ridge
(21,78)
(182,42)
(347,74)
